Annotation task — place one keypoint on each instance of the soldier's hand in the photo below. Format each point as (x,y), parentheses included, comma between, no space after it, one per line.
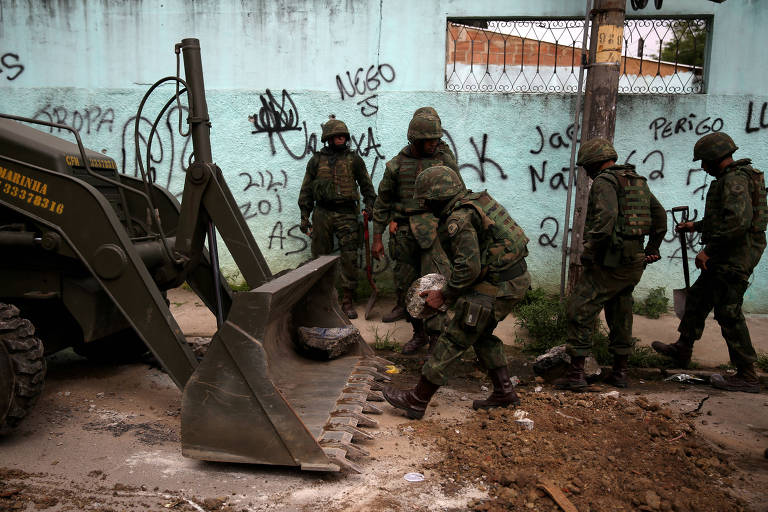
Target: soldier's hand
(434,298)
(701,260)
(366,213)
(685,227)
(652,256)
(377,250)
(392,227)
(306,226)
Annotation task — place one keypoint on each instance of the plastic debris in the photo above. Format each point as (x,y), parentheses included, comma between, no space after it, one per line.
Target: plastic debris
(390,368)
(483,388)
(519,414)
(515,380)
(414,477)
(610,394)
(684,377)
(526,423)
(416,304)
(537,389)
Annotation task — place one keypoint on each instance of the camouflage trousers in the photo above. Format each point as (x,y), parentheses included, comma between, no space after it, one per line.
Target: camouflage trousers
(470,322)
(723,292)
(345,226)
(405,252)
(603,287)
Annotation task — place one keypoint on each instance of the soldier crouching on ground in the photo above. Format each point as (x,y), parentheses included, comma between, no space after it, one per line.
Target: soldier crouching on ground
(413,231)
(330,193)
(488,276)
(733,231)
(621,212)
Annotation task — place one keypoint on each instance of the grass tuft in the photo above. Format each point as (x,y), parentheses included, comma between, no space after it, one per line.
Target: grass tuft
(654,305)
(385,342)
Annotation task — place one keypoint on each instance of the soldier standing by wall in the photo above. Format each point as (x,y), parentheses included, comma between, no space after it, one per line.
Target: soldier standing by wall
(621,212)
(488,276)
(412,229)
(733,231)
(330,193)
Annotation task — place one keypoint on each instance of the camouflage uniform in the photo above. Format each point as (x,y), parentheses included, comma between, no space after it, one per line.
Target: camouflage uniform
(488,276)
(604,283)
(416,229)
(621,211)
(330,193)
(733,231)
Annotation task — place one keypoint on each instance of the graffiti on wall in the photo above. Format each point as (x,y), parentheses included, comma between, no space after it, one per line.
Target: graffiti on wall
(11,66)
(363,83)
(92,119)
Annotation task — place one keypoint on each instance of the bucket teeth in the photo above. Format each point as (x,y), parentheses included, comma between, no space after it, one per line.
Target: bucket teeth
(364,378)
(348,424)
(377,362)
(355,412)
(343,440)
(370,370)
(339,456)
(373,396)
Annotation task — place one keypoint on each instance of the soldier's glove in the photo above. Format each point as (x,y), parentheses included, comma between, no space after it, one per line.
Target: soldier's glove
(305,226)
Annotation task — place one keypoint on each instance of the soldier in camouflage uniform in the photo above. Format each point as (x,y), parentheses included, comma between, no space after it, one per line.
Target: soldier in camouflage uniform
(621,212)
(413,230)
(488,276)
(330,193)
(733,233)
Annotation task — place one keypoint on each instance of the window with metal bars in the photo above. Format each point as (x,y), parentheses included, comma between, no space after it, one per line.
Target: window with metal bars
(659,55)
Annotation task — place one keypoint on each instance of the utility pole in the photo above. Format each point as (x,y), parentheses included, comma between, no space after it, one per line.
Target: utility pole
(600,96)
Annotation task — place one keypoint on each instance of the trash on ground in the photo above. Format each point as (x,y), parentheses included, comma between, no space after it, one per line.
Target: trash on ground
(390,368)
(611,394)
(328,342)
(414,477)
(569,417)
(515,380)
(684,377)
(483,388)
(526,423)
(519,414)
(537,389)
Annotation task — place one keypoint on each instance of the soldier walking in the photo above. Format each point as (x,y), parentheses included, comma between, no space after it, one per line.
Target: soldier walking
(330,193)
(413,230)
(733,233)
(621,212)
(487,251)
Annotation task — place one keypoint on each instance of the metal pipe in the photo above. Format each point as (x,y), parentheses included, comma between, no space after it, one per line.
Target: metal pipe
(572,171)
(198,109)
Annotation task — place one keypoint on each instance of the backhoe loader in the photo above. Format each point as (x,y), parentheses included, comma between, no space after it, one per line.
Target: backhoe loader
(88,254)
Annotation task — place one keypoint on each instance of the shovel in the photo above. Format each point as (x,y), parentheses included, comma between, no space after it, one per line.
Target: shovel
(368,266)
(679,295)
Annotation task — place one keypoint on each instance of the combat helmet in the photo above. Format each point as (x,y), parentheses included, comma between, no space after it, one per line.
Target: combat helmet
(430,111)
(596,150)
(438,183)
(333,127)
(424,126)
(713,147)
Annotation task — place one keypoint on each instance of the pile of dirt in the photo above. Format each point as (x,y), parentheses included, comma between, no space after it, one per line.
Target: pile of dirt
(604,453)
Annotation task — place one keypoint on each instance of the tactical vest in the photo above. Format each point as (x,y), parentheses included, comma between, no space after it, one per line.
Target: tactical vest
(634,198)
(408,169)
(757,192)
(502,242)
(335,180)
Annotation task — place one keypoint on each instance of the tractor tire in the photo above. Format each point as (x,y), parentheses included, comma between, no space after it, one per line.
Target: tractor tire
(22,367)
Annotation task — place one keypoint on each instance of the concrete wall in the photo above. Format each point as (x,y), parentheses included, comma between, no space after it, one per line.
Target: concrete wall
(88,64)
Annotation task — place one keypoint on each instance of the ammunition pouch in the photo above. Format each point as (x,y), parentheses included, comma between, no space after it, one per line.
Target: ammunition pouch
(474,310)
(508,274)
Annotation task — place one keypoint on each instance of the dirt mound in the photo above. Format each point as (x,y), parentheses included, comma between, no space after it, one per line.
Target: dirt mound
(602,452)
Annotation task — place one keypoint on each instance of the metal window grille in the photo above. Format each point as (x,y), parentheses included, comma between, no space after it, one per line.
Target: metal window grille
(659,56)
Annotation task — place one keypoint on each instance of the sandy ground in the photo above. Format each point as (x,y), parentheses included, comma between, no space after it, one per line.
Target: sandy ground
(106,438)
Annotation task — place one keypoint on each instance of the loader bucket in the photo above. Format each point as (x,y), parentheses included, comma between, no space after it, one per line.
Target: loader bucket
(256,399)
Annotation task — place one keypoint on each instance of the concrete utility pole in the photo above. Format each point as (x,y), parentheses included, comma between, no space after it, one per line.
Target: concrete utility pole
(599,107)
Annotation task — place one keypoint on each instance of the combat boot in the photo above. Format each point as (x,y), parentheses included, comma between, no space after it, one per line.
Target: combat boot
(397,313)
(745,380)
(574,379)
(503,391)
(418,340)
(413,402)
(680,351)
(347,305)
(618,376)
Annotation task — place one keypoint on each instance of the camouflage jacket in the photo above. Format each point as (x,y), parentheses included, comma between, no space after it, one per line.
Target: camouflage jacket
(395,198)
(311,186)
(725,228)
(603,212)
(478,245)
